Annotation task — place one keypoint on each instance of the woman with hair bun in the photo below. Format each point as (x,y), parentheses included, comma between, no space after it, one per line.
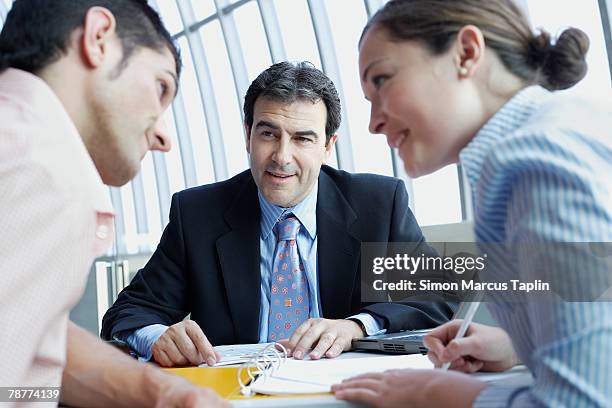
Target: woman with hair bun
(469,82)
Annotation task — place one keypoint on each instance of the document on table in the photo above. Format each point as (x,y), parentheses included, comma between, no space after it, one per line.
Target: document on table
(317,376)
(238,353)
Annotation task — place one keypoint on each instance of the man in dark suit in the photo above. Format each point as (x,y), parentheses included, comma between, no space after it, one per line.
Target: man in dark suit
(221,255)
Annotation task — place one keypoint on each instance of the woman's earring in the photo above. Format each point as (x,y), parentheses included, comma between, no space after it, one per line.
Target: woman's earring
(463,71)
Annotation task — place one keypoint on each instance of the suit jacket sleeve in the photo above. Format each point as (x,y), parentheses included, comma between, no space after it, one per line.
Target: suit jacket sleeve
(156,295)
(404,315)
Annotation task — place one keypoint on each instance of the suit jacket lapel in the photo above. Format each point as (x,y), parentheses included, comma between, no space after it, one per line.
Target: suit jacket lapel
(239,257)
(338,250)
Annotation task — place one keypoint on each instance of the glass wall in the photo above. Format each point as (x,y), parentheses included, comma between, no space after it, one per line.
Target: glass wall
(226,44)
(273,30)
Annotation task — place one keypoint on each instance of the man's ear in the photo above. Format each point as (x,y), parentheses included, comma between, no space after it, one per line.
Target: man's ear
(247,132)
(329,147)
(470,50)
(98,30)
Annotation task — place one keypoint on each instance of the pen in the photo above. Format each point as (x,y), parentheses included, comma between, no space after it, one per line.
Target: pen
(469,316)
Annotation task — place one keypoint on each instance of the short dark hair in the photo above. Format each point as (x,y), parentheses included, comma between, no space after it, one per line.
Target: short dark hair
(290,81)
(36,32)
(532,57)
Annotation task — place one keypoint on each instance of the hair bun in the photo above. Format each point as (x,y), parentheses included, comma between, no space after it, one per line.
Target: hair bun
(539,49)
(563,64)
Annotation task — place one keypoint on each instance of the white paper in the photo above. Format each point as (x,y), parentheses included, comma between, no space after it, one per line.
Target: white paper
(317,376)
(238,353)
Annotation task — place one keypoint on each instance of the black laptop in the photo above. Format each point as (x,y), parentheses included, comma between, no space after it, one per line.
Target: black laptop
(406,342)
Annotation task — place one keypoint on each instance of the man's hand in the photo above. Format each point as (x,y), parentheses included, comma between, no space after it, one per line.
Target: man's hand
(182,394)
(331,337)
(410,388)
(184,344)
(484,348)
(98,375)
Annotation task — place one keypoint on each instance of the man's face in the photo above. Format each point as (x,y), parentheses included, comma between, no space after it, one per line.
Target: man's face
(286,145)
(127,109)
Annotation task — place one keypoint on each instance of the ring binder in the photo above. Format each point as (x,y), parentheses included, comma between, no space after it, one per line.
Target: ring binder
(264,363)
(272,372)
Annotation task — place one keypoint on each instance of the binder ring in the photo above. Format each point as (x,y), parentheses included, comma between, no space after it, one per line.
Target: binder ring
(264,363)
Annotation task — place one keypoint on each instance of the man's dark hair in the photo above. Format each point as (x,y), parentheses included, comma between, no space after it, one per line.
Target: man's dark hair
(37,32)
(288,82)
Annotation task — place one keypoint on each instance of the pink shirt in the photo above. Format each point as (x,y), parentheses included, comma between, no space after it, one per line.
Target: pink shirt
(56,218)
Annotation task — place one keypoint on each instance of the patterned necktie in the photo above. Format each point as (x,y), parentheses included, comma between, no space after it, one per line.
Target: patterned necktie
(289,297)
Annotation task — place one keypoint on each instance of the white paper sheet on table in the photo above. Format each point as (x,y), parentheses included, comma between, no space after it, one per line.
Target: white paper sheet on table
(311,377)
(238,353)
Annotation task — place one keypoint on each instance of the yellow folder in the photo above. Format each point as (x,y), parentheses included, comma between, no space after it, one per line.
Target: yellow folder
(223,380)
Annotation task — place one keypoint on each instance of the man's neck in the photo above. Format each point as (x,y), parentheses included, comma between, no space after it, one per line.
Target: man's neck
(68,83)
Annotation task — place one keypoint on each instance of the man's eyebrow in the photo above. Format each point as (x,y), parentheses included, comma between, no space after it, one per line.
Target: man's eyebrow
(265,123)
(307,133)
(176,82)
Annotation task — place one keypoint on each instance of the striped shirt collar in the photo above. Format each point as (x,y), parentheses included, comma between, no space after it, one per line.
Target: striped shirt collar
(506,120)
(304,211)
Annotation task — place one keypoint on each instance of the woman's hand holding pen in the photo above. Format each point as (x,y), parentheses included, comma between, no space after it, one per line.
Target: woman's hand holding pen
(483,348)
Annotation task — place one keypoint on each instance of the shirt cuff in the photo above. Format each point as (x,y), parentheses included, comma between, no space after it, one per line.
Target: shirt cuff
(369,323)
(500,396)
(142,340)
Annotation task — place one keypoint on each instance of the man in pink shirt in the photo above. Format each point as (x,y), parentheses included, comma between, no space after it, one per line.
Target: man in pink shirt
(83,85)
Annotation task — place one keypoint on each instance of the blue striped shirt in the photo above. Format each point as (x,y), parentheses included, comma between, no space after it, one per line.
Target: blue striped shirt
(540,171)
(142,340)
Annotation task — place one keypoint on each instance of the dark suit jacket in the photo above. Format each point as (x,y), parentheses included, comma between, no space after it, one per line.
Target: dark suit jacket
(208,260)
